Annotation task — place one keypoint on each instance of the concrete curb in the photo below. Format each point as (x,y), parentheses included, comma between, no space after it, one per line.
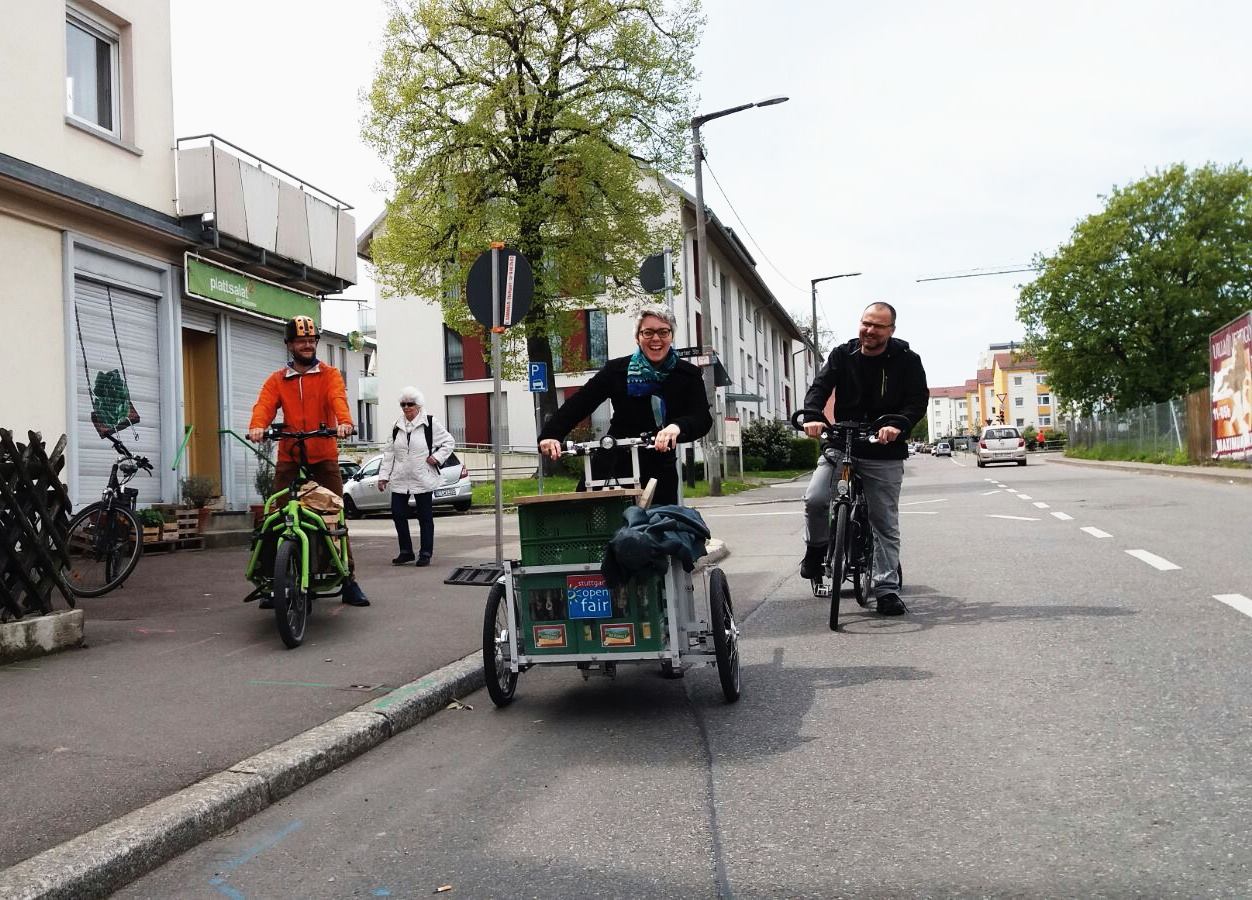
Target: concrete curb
(39,635)
(99,862)
(1198,473)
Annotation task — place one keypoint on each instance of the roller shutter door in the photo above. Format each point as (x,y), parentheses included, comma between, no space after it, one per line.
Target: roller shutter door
(109,318)
(255,351)
(198,319)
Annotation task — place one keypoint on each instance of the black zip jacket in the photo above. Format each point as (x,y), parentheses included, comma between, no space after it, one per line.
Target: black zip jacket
(685,406)
(897,386)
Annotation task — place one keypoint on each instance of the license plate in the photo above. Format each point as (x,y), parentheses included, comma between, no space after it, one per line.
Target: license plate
(446,492)
(587,597)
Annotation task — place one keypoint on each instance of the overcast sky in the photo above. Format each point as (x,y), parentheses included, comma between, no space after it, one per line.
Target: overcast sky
(920,139)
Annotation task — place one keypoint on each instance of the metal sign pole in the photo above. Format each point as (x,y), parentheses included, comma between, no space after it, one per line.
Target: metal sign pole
(496,400)
(538,429)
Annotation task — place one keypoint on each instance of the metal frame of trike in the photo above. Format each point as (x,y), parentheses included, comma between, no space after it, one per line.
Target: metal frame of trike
(688,638)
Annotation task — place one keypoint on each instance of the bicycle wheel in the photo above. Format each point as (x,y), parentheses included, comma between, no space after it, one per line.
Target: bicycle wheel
(863,577)
(291,602)
(838,559)
(501,680)
(725,635)
(103,545)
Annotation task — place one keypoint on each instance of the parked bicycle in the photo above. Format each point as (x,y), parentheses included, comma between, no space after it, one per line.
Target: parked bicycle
(297,554)
(850,552)
(105,541)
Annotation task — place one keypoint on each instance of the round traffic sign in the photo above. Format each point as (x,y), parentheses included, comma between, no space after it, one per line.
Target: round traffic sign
(516,285)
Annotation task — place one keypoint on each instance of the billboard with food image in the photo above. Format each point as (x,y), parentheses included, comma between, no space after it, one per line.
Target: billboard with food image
(1230,371)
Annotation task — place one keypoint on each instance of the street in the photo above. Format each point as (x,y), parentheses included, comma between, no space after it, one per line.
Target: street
(1063,712)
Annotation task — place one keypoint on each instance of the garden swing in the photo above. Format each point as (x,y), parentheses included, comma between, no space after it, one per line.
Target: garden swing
(112,409)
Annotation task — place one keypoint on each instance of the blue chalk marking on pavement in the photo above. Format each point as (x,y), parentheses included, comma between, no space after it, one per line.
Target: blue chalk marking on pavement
(251,853)
(380,892)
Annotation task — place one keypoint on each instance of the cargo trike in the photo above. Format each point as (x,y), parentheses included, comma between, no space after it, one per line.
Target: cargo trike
(553,607)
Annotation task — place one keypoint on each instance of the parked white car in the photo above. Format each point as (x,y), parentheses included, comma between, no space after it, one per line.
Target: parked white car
(943,449)
(361,494)
(1001,443)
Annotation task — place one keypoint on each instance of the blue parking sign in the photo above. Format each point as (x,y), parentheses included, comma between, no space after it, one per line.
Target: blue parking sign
(537,381)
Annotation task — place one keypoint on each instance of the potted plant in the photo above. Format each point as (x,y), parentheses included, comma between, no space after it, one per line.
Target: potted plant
(152,522)
(197,491)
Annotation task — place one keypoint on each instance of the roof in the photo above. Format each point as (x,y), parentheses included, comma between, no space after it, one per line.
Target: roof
(984,376)
(955,392)
(1008,361)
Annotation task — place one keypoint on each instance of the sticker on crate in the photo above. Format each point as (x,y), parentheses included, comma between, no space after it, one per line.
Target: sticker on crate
(550,636)
(588,597)
(617,634)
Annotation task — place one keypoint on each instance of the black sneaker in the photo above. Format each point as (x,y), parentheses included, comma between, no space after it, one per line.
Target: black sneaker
(813,563)
(353,595)
(423,561)
(890,604)
(402,559)
(267,602)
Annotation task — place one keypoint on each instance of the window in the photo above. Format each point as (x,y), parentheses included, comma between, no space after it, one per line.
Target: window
(91,74)
(739,309)
(1017,381)
(455,419)
(1020,422)
(1045,420)
(760,374)
(1041,378)
(1019,401)
(1045,399)
(371,467)
(758,319)
(597,337)
(750,372)
(453,356)
(936,401)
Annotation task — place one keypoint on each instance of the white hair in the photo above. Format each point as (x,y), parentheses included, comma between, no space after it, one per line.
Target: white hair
(656,311)
(413,395)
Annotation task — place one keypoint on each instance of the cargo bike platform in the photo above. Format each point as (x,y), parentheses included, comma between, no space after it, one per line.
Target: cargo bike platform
(553,606)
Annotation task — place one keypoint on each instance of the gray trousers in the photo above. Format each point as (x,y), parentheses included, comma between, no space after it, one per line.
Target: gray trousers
(880,480)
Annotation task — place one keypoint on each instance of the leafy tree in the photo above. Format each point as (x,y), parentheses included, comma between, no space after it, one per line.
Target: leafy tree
(1121,314)
(921,431)
(533,122)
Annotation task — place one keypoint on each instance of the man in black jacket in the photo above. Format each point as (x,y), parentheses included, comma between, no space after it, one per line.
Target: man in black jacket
(872,376)
(651,391)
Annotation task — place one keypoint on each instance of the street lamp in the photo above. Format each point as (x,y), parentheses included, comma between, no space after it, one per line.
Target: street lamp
(712,462)
(813,283)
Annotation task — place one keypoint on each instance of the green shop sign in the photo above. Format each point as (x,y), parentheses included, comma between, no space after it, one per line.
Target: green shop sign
(221,285)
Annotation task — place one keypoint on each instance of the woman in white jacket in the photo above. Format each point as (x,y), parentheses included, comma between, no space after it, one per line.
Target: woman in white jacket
(419,446)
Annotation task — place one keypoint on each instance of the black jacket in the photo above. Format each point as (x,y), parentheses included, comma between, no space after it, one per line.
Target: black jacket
(685,406)
(900,390)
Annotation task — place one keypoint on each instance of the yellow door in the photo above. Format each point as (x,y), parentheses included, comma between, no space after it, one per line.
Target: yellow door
(200,398)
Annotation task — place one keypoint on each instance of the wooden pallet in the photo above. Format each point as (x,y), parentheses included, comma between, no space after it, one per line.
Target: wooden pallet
(164,546)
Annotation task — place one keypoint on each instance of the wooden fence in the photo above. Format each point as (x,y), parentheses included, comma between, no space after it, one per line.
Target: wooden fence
(34,519)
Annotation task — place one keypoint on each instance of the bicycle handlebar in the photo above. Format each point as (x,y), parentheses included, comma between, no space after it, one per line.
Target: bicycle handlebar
(277,433)
(608,442)
(859,429)
(139,462)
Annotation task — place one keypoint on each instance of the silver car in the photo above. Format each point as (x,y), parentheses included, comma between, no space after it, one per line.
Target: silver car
(1001,443)
(361,494)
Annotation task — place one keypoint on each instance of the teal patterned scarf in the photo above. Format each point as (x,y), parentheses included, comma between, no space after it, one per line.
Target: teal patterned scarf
(643,377)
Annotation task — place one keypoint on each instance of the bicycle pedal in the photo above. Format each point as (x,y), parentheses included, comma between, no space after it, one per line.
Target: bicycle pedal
(821,589)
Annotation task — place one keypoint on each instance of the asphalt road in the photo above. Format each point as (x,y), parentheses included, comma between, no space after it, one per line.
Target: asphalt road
(1064,712)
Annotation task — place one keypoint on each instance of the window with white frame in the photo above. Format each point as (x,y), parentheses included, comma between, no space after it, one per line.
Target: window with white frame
(1021,422)
(92,84)
(1017,381)
(1019,401)
(1045,420)
(1041,378)
(1045,399)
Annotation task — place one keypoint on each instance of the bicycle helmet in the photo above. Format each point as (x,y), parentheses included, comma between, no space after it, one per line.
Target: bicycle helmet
(301,326)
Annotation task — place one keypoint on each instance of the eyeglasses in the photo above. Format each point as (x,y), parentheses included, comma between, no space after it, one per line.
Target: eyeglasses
(875,326)
(407,403)
(304,342)
(663,333)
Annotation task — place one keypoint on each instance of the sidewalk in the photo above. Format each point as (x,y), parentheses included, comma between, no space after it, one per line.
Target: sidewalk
(182,686)
(1222,474)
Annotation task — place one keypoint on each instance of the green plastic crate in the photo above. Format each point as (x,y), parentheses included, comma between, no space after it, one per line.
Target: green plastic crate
(636,622)
(572,530)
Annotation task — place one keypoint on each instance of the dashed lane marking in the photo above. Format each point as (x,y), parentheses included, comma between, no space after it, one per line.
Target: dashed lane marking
(1236,601)
(918,512)
(1041,505)
(753,515)
(989,493)
(1156,562)
(1014,518)
(1011,490)
(1025,497)
(1064,517)
(920,502)
(1097,533)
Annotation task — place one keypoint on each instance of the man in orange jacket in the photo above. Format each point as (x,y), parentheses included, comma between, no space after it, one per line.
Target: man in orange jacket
(310,395)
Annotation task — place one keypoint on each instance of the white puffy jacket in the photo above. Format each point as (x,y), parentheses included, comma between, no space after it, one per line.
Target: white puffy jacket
(404,464)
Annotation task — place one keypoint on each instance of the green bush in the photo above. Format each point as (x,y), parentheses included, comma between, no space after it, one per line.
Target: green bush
(151,518)
(769,439)
(198,490)
(804,453)
(753,463)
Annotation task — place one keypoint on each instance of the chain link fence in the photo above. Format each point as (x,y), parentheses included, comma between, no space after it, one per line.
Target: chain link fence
(1176,428)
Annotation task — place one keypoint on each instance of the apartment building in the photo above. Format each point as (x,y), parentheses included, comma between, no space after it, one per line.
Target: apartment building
(947,413)
(766,356)
(147,278)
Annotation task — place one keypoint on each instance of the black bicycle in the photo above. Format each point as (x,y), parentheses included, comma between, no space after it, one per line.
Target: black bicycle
(850,550)
(104,541)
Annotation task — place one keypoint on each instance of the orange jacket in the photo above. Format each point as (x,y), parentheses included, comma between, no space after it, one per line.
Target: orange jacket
(318,397)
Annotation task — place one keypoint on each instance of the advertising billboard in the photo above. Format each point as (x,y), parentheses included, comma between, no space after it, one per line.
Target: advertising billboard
(1230,371)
